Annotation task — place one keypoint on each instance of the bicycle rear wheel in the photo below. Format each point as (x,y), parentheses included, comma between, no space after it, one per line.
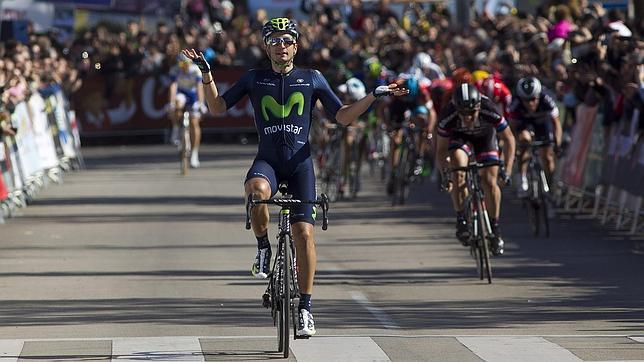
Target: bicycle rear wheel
(484,232)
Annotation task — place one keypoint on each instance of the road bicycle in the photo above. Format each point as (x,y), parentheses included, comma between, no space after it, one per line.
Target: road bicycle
(478,220)
(352,157)
(283,289)
(330,163)
(405,172)
(378,142)
(538,190)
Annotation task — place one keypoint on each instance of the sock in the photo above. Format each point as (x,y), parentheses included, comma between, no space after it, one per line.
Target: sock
(460,214)
(494,223)
(262,242)
(305,302)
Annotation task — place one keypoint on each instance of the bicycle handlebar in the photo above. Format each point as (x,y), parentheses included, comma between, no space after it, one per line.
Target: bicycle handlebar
(537,144)
(322,201)
(476,165)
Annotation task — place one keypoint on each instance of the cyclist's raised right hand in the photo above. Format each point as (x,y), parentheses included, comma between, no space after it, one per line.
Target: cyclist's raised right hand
(197,58)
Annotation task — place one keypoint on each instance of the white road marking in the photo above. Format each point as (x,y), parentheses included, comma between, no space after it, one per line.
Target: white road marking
(324,349)
(382,317)
(157,349)
(511,349)
(637,339)
(10,349)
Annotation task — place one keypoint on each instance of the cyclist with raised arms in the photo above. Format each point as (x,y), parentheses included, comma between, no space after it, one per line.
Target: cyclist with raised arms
(283,97)
(468,126)
(535,112)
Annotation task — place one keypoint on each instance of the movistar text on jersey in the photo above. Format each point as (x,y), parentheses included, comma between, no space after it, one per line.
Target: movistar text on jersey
(283,127)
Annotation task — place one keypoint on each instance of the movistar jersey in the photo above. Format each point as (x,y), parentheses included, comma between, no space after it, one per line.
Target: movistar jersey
(283,104)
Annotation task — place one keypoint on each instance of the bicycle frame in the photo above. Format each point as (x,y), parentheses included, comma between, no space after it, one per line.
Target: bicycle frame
(538,188)
(407,154)
(283,288)
(479,219)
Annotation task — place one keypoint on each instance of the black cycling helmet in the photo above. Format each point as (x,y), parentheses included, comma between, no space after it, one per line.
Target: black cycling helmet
(279,25)
(528,88)
(466,98)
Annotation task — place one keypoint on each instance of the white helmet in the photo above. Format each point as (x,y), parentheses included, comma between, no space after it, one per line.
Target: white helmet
(422,60)
(356,89)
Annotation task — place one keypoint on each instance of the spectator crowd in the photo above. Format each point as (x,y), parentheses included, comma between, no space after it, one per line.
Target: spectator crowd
(580,51)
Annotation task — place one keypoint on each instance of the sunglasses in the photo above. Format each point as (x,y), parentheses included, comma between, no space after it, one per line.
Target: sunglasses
(276,41)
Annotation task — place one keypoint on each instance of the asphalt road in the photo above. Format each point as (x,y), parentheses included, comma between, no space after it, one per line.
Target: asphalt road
(128,260)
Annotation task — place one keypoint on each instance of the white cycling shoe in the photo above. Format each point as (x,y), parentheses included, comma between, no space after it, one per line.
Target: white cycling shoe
(194,159)
(305,324)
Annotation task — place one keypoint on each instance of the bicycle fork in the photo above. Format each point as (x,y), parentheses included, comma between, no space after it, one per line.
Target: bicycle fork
(485,217)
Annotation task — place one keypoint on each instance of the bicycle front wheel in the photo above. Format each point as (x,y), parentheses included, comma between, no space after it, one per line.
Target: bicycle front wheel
(285,298)
(534,203)
(544,205)
(184,153)
(484,232)
(400,176)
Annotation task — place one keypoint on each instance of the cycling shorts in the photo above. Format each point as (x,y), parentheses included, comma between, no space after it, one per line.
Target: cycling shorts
(186,98)
(300,179)
(483,145)
(543,131)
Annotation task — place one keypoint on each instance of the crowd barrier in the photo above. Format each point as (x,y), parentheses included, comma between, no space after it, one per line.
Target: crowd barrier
(46,144)
(603,170)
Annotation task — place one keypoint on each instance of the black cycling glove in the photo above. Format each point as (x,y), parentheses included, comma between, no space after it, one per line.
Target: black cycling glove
(202,63)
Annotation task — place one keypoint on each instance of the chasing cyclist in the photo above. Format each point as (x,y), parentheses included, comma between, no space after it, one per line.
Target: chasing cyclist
(535,113)
(468,127)
(187,94)
(283,97)
(415,107)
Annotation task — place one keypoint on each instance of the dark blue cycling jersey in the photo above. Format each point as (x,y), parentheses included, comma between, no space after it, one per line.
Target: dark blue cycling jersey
(540,121)
(283,104)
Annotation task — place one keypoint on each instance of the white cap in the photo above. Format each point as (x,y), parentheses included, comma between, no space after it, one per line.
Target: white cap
(356,89)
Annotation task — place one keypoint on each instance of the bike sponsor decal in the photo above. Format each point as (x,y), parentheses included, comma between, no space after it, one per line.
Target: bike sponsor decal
(283,127)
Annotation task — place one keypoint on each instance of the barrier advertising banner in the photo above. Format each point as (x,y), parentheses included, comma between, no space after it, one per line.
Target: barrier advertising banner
(45,146)
(575,161)
(30,162)
(4,191)
(136,106)
(60,115)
